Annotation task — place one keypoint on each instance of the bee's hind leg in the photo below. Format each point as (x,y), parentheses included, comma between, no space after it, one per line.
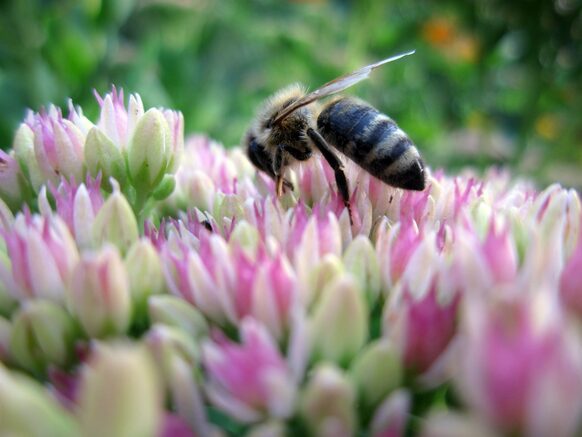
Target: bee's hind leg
(336,165)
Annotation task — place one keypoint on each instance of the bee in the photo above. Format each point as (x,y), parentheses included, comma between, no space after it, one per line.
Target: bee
(287,128)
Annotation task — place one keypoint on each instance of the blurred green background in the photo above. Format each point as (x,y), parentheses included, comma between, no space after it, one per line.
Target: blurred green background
(492,81)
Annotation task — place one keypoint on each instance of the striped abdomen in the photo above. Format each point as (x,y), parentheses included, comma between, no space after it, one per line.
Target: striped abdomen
(373,141)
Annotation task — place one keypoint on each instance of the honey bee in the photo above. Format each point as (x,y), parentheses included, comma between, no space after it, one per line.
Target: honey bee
(287,128)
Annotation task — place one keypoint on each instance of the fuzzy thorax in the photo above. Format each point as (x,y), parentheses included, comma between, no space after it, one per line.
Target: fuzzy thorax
(291,130)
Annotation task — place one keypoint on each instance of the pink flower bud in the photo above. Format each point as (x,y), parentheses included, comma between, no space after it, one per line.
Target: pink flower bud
(205,278)
(274,294)
(394,247)
(174,426)
(521,366)
(99,293)
(42,255)
(480,265)
(500,253)
(421,326)
(391,416)
(58,145)
(78,205)
(175,121)
(115,121)
(249,380)
(310,241)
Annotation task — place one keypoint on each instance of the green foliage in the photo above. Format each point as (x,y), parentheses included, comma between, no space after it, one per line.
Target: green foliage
(492,81)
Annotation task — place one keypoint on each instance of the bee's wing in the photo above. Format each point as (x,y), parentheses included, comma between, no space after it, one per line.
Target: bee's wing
(337,85)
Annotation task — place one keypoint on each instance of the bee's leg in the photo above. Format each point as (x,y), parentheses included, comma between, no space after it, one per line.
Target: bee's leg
(336,165)
(278,169)
(262,161)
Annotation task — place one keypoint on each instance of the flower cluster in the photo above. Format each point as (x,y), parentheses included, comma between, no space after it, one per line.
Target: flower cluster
(139,149)
(181,297)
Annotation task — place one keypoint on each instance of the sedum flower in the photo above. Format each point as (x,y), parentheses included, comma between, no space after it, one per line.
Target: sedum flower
(198,189)
(8,301)
(480,265)
(310,240)
(376,371)
(176,356)
(77,205)
(327,403)
(42,255)
(394,247)
(119,393)
(251,379)
(23,147)
(115,121)
(115,222)
(149,151)
(165,342)
(360,309)
(124,143)
(207,170)
(103,157)
(174,426)
(173,311)
(144,269)
(361,261)
(519,357)
(58,145)
(99,294)
(339,323)
(391,416)
(43,334)
(6,216)
(201,278)
(421,326)
(175,121)
(27,409)
(12,188)
(272,295)
(227,284)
